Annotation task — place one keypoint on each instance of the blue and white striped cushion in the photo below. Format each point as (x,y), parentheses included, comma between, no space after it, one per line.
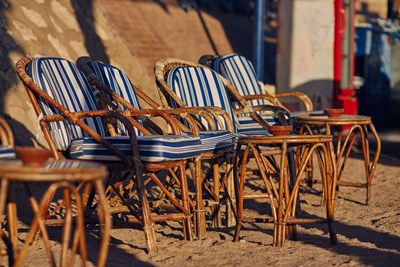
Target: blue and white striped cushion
(239,71)
(61,79)
(66,84)
(6,152)
(200,87)
(119,82)
(215,141)
(154,148)
(212,141)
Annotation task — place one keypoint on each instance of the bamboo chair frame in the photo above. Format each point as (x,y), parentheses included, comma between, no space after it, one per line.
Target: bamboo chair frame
(188,114)
(132,163)
(285,194)
(274,99)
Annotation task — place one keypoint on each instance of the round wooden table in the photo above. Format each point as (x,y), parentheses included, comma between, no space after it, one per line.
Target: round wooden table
(346,128)
(274,155)
(74,179)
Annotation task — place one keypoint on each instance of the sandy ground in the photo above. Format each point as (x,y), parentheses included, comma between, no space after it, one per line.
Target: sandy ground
(368,235)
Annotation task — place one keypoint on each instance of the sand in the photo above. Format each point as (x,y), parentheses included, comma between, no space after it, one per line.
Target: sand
(367,235)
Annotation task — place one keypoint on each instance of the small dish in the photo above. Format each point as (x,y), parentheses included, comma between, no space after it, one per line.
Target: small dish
(333,112)
(32,156)
(280,129)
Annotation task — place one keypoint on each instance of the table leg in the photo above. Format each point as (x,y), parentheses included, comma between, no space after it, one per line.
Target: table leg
(12,218)
(4,186)
(372,167)
(105,223)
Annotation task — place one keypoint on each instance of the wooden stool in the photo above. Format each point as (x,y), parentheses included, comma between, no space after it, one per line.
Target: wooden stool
(355,124)
(70,177)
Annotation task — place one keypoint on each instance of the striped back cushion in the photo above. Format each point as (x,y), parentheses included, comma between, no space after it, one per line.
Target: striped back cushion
(199,87)
(239,71)
(62,81)
(119,82)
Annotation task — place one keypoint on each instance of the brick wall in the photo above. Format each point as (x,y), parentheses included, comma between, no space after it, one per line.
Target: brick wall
(153,31)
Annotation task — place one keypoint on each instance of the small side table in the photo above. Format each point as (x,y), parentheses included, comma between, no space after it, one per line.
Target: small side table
(345,141)
(68,176)
(283,194)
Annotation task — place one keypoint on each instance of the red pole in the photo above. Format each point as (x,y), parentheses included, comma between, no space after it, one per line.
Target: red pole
(337,50)
(343,97)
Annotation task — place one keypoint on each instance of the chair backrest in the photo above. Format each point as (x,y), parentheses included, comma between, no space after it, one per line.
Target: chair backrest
(117,80)
(119,83)
(64,82)
(199,87)
(239,71)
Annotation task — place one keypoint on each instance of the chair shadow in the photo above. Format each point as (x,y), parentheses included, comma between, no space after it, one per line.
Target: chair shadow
(370,256)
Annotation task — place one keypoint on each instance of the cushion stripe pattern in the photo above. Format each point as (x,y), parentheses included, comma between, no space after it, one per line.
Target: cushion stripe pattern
(6,152)
(199,87)
(212,141)
(61,80)
(216,141)
(119,83)
(154,148)
(239,71)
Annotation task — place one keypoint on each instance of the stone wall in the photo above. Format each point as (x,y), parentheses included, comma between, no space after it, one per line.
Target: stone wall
(59,28)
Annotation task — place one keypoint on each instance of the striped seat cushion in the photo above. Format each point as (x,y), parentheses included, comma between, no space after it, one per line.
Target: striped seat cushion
(212,141)
(6,152)
(64,82)
(151,148)
(239,71)
(216,141)
(61,80)
(199,87)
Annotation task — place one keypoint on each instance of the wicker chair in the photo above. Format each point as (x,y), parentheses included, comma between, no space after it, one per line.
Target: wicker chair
(76,127)
(218,145)
(179,79)
(239,71)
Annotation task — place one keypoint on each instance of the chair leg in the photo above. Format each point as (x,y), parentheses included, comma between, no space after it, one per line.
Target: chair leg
(240,193)
(187,222)
(199,213)
(148,223)
(216,209)
(230,192)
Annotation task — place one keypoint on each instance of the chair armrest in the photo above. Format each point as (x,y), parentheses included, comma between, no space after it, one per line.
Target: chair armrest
(76,118)
(270,98)
(299,95)
(282,114)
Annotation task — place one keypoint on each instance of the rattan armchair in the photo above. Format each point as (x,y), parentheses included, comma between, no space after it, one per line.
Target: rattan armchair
(217,143)
(184,83)
(349,130)
(240,73)
(76,127)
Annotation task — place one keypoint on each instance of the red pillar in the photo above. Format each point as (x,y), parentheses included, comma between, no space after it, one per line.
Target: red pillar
(344,94)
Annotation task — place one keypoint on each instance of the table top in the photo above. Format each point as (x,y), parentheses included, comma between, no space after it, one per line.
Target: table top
(323,119)
(279,139)
(52,171)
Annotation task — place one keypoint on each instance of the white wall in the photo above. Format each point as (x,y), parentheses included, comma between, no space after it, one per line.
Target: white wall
(305,48)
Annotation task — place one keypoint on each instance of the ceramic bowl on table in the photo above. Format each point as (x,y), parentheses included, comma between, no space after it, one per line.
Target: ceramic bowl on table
(280,129)
(32,156)
(333,112)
